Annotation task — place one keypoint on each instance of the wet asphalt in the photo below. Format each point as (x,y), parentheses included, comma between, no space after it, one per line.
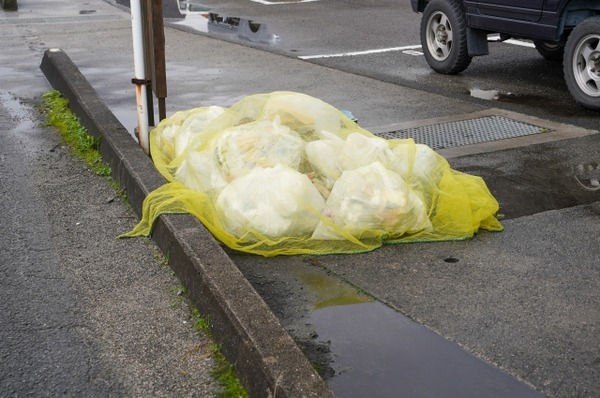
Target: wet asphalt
(523,302)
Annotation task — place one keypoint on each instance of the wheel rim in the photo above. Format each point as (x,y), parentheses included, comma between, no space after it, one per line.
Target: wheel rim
(439,36)
(586,65)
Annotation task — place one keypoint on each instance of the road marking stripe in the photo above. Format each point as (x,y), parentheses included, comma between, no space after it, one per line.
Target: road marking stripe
(520,43)
(384,50)
(274,3)
(366,52)
(512,41)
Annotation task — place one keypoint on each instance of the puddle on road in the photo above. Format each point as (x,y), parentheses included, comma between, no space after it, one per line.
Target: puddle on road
(501,96)
(128,118)
(330,291)
(378,351)
(521,99)
(485,94)
(5,71)
(20,113)
(16,73)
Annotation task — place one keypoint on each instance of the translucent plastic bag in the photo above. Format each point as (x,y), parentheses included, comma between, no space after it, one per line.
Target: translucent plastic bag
(359,150)
(273,202)
(372,198)
(199,171)
(285,173)
(322,156)
(416,161)
(194,126)
(258,144)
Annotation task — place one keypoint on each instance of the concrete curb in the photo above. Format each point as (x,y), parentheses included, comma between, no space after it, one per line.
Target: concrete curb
(267,360)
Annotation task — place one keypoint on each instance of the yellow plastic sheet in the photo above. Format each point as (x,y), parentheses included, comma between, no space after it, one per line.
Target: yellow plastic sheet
(285,173)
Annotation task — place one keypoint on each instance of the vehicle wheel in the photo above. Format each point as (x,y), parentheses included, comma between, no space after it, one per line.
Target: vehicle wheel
(550,51)
(444,36)
(581,64)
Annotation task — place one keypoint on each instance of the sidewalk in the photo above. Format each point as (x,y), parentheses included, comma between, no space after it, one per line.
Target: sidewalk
(524,300)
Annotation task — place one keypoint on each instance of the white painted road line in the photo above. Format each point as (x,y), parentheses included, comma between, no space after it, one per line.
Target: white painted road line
(520,43)
(275,3)
(410,50)
(512,41)
(366,52)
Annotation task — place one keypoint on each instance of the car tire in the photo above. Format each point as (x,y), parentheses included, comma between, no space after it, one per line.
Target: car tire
(581,65)
(550,51)
(444,36)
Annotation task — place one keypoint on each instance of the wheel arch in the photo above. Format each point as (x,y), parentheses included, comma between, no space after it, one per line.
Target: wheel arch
(571,13)
(418,5)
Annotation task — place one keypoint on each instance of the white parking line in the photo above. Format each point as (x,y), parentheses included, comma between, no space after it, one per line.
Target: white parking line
(410,50)
(520,43)
(366,52)
(513,41)
(274,3)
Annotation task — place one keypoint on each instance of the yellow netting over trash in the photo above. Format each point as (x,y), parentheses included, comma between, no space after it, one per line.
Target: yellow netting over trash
(286,173)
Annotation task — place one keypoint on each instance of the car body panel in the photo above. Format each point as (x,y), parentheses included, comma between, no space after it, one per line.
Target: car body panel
(514,9)
(565,30)
(546,20)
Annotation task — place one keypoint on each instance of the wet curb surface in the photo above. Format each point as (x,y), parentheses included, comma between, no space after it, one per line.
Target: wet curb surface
(267,360)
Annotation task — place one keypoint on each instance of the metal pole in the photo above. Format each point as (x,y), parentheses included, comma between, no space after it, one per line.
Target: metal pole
(159,75)
(139,79)
(148,64)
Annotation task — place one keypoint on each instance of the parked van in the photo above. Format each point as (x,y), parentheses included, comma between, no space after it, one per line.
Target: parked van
(454,31)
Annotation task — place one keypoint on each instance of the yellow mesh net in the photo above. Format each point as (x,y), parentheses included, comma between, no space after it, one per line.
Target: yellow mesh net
(285,173)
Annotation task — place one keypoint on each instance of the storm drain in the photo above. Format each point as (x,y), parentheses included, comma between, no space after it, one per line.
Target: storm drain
(66,19)
(466,132)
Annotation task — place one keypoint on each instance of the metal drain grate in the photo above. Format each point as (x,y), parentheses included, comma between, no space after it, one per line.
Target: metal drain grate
(466,132)
(67,19)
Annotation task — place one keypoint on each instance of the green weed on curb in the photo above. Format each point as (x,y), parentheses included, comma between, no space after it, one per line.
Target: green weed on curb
(56,110)
(224,372)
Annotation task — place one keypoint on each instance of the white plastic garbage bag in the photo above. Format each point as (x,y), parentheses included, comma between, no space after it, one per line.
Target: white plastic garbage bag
(372,198)
(302,113)
(322,156)
(260,144)
(194,126)
(416,161)
(165,136)
(274,202)
(200,172)
(359,151)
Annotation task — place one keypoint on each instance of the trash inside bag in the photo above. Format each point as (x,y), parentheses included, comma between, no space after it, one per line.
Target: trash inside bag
(244,148)
(372,198)
(274,201)
(285,173)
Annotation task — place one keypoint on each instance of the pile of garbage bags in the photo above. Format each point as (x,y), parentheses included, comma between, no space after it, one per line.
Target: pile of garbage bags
(286,173)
